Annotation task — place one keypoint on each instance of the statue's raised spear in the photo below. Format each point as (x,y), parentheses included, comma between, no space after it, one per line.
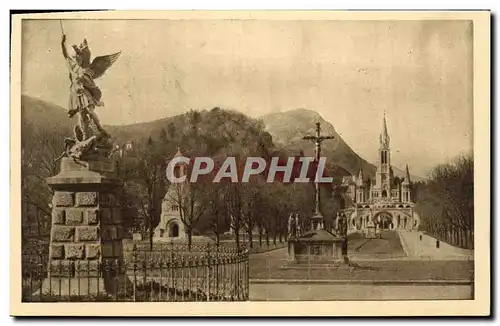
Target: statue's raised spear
(62,29)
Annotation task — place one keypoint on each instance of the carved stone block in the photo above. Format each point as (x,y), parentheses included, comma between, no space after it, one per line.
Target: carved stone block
(86,198)
(62,233)
(92,251)
(74,216)
(57,251)
(87,233)
(74,251)
(58,216)
(63,198)
(92,216)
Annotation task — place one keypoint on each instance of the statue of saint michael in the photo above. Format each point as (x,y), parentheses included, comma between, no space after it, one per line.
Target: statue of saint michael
(85,96)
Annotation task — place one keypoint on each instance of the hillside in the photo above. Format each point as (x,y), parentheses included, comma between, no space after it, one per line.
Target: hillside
(43,115)
(288,128)
(283,136)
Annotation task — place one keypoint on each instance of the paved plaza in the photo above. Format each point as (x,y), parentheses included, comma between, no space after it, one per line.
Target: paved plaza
(421,272)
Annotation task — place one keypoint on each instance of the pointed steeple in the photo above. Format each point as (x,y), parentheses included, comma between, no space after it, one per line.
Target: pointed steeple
(360,177)
(181,167)
(179,153)
(384,136)
(407,175)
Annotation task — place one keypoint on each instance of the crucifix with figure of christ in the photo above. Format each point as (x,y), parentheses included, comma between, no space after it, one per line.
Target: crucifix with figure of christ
(317,139)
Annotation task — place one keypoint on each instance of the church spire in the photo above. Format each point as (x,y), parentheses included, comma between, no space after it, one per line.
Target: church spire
(360,177)
(407,175)
(179,153)
(384,136)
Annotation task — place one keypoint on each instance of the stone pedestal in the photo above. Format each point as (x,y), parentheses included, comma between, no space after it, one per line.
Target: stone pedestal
(316,247)
(86,250)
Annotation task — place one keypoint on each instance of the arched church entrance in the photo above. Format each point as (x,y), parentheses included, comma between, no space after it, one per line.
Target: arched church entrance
(384,194)
(385,220)
(173,230)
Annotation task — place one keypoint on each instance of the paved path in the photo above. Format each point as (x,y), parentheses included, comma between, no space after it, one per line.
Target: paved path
(425,249)
(309,292)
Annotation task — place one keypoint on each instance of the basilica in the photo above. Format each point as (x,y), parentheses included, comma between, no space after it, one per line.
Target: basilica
(385,200)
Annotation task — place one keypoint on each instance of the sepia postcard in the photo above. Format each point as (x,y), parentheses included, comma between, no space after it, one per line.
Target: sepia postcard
(250,163)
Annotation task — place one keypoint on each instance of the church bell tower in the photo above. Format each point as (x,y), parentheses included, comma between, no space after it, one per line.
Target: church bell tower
(384,164)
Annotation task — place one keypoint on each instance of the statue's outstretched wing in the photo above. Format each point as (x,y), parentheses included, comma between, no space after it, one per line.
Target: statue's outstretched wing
(100,64)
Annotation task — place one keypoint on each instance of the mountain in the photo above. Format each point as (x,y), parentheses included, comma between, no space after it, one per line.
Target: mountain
(287,129)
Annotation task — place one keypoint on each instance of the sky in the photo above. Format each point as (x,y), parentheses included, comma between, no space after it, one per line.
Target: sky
(418,72)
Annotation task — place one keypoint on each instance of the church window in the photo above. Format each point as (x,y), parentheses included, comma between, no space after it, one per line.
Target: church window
(383,157)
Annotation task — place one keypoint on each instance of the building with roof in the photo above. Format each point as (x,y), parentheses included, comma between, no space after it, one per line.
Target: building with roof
(171,226)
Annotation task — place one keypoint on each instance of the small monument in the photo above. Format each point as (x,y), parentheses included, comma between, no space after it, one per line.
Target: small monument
(171,227)
(318,245)
(86,235)
(370,230)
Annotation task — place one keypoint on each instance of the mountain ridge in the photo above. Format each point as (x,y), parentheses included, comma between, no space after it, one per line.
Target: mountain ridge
(286,128)
(289,127)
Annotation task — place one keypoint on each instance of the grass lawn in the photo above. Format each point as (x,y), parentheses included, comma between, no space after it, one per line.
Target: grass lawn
(389,246)
(269,266)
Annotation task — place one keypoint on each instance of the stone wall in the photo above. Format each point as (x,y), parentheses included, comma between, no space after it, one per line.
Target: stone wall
(86,230)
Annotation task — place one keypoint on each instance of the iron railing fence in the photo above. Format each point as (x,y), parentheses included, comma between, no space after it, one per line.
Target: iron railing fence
(176,273)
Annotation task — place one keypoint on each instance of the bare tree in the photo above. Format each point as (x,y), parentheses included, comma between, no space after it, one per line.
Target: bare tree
(39,148)
(446,202)
(144,180)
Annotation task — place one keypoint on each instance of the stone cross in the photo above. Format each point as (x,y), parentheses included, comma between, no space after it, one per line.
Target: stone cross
(318,139)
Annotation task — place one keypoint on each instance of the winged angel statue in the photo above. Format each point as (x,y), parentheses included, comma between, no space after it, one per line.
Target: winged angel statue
(85,96)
